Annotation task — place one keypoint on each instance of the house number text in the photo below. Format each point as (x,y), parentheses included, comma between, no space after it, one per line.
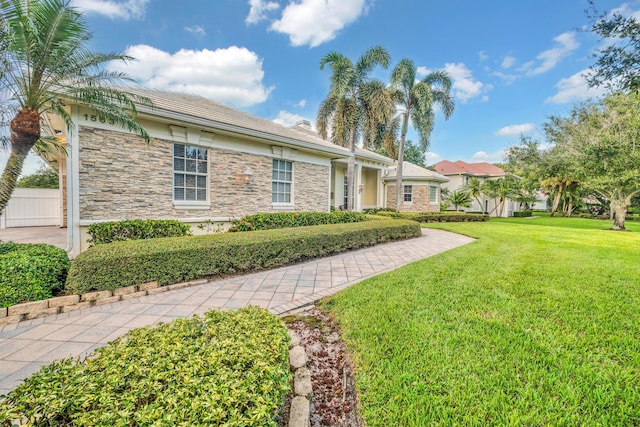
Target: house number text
(98,118)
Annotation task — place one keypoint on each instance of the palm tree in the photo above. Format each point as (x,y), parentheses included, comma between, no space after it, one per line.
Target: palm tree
(475,189)
(416,100)
(459,198)
(48,60)
(355,105)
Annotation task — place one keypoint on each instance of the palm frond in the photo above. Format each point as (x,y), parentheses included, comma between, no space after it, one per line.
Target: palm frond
(439,78)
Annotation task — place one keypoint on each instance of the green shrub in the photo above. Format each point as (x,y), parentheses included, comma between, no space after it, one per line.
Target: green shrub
(228,368)
(374,211)
(587,215)
(136,229)
(523,214)
(107,267)
(269,221)
(30,272)
(436,216)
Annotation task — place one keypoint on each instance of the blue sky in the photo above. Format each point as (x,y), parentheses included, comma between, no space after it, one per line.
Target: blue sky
(513,62)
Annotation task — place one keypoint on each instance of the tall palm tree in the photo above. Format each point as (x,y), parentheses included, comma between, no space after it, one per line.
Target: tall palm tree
(416,100)
(355,105)
(459,198)
(475,189)
(48,60)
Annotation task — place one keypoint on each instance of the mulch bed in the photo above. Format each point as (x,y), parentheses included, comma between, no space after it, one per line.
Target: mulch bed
(334,401)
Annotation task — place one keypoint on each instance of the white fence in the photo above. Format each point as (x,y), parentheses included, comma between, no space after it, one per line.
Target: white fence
(32,207)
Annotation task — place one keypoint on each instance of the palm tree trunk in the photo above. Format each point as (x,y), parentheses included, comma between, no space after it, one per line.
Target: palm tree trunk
(403,135)
(25,131)
(620,210)
(556,200)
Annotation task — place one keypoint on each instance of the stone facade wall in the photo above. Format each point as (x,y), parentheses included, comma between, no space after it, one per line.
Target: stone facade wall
(123,177)
(420,201)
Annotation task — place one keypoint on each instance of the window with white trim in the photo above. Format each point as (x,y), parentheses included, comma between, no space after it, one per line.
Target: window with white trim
(408,193)
(346,192)
(281,179)
(189,173)
(433,194)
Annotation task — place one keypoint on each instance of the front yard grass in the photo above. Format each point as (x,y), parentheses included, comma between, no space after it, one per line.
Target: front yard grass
(535,323)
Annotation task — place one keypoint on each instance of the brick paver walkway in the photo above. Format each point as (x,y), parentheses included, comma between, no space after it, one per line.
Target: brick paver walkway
(26,346)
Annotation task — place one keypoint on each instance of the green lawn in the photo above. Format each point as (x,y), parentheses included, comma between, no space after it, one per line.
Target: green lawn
(535,323)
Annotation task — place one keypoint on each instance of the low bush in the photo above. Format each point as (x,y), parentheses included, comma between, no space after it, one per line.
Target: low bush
(107,267)
(228,368)
(374,211)
(30,272)
(522,214)
(269,221)
(436,216)
(136,229)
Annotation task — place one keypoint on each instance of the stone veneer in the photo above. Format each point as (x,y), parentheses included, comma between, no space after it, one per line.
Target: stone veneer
(122,177)
(420,199)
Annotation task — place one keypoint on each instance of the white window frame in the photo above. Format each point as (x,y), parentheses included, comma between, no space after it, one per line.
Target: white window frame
(406,193)
(190,204)
(285,204)
(436,193)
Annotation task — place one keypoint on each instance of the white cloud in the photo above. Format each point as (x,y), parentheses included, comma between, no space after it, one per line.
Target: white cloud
(422,71)
(113,9)
(432,157)
(515,130)
(313,22)
(197,30)
(232,75)
(545,61)
(483,156)
(508,61)
(289,119)
(626,10)
(302,103)
(482,56)
(575,88)
(507,78)
(465,86)
(259,9)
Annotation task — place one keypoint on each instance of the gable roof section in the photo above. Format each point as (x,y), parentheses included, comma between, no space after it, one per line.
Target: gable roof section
(414,173)
(200,111)
(459,167)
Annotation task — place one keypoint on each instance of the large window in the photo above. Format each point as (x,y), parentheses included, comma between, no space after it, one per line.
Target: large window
(189,173)
(408,193)
(346,192)
(433,194)
(281,180)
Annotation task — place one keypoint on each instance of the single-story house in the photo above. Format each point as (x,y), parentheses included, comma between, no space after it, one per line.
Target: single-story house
(459,174)
(208,161)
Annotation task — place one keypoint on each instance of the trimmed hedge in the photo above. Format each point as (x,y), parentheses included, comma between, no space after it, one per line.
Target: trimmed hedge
(523,214)
(270,221)
(30,272)
(374,211)
(107,267)
(228,368)
(136,229)
(436,216)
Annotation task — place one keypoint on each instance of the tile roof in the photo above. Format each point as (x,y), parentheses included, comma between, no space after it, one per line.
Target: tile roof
(459,167)
(415,172)
(217,115)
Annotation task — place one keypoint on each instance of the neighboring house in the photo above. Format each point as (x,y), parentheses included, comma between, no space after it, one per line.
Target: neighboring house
(420,189)
(459,174)
(207,161)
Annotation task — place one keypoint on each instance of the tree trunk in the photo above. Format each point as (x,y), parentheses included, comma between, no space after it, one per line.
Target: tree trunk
(620,215)
(556,200)
(403,135)
(351,171)
(25,131)
(570,207)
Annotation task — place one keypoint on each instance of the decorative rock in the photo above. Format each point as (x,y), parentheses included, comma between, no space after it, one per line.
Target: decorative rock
(157,290)
(61,301)
(3,312)
(42,313)
(27,307)
(10,319)
(299,412)
(134,295)
(92,296)
(198,282)
(75,307)
(302,383)
(297,357)
(124,291)
(148,285)
(178,286)
(295,339)
(103,301)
